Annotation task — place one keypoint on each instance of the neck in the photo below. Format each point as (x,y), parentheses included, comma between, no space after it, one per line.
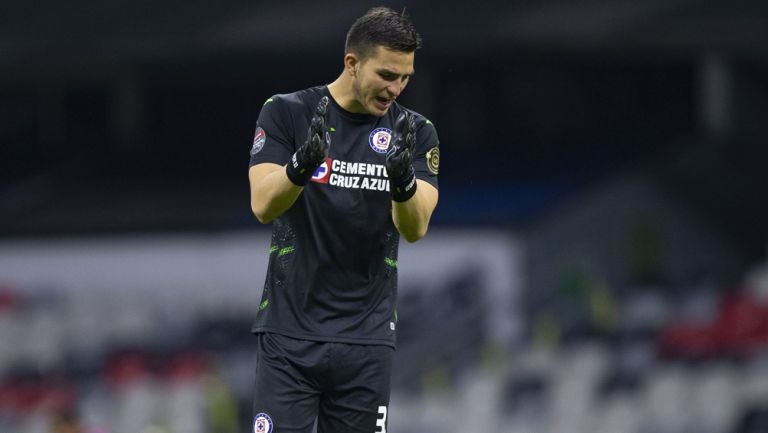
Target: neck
(343,93)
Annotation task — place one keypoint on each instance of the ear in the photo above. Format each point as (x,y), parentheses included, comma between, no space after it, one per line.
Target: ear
(351,64)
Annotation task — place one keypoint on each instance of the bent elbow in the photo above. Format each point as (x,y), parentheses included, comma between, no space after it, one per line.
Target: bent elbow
(264,219)
(412,236)
(261,214)
(411,239)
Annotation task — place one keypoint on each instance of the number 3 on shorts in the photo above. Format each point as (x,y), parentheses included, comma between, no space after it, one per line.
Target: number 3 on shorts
(381,423)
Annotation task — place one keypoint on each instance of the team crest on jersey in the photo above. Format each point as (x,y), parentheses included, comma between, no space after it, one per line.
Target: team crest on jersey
(379,139)
(262,423)
(323,172)
(259,138)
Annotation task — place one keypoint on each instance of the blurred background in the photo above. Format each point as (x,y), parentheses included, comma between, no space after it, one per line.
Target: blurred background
(597,261)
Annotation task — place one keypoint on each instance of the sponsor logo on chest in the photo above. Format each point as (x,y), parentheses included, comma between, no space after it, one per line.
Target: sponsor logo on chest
(352,175)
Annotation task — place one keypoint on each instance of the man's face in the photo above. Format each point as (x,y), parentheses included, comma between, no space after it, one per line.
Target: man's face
(381,78)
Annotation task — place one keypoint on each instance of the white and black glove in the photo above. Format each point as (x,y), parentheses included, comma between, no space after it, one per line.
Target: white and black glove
(402,177)
(313,152)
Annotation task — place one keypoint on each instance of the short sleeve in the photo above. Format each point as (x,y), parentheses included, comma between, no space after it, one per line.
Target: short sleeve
(273,137)
(426,162)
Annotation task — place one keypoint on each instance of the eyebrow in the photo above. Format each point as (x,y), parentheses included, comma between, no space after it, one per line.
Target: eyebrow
(390,72)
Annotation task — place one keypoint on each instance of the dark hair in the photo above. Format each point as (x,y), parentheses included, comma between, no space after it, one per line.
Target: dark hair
(382,26)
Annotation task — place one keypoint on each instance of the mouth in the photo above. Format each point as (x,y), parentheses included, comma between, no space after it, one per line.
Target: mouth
(384,103)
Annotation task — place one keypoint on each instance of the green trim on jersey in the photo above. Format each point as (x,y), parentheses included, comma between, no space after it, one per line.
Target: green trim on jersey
(268,101)
(390,262)
(264,304)
(281,251)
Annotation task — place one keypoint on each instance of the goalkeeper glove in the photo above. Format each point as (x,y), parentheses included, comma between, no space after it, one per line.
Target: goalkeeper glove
(399,163)
(313,152)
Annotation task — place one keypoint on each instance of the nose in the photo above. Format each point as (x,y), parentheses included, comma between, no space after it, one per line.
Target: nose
(394,89)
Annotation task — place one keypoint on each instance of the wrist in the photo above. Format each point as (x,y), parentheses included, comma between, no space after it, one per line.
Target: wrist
(300,169)
(403,187)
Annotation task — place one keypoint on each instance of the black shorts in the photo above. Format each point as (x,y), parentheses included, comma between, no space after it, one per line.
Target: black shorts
(345,387)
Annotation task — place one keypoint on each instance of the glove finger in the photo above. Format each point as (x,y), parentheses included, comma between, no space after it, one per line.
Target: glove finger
(400,158)
(317,143)
(411,124)
(318,124)
(318,121)
(410,142)
(322,107)
(410,139)
(317,148)
(401,124)
(394,151)
(405,157)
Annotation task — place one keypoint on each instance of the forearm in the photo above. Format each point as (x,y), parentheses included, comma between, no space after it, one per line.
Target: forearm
(272,193)
(411,217)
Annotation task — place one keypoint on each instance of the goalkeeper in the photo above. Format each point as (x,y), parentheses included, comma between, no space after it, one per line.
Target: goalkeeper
(341,171)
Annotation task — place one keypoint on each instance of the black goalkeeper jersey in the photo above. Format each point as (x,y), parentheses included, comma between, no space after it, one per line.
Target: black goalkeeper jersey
(332,272)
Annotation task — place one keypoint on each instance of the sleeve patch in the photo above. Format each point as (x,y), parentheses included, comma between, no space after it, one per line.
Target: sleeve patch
(433,160)
(259,138)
